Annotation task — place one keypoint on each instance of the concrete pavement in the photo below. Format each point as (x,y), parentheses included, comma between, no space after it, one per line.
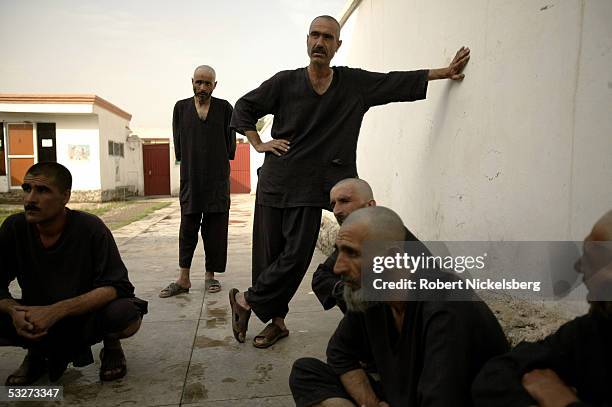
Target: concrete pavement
(185,353)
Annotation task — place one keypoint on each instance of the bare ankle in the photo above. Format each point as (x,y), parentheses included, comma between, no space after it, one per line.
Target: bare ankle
(241,300)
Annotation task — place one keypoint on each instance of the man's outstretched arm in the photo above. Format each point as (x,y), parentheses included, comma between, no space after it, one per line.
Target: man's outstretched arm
(455,69)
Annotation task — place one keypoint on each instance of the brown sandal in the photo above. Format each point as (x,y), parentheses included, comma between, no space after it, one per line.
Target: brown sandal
(270,335)
(240,317)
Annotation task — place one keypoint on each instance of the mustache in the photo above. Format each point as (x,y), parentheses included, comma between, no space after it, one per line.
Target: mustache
(319,50)
(31,208)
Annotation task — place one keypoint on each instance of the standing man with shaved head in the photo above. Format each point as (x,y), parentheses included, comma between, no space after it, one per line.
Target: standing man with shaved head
(317,116)
(204,144)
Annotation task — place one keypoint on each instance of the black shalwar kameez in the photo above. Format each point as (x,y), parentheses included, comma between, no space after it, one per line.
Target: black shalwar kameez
(580,352)
(204,148)
(323,131)
(431,363)
(84,258)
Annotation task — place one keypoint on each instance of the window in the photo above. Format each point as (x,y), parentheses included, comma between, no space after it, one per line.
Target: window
(115,149)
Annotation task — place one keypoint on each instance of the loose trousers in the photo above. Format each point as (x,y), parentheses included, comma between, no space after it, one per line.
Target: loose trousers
(284,240)
(213,227)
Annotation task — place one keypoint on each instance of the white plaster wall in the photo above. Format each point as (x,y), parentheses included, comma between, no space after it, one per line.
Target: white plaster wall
(73,129)
(522,149)
(128,168)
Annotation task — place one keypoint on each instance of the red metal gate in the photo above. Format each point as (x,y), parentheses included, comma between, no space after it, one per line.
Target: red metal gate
(240,177)
(156,162)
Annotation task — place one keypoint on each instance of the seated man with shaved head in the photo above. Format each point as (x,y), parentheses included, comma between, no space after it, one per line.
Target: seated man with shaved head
(426,352)
(572,367)
(75,289)
(345,197)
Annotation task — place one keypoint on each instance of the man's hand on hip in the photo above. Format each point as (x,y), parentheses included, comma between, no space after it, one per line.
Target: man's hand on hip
(278,147)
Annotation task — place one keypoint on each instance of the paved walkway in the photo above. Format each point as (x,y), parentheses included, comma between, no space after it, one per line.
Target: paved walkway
(185,353)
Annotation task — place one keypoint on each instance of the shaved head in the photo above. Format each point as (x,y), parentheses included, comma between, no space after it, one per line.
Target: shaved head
(359,186)
(207,69)
(381,223)
(329,18)
(602,231)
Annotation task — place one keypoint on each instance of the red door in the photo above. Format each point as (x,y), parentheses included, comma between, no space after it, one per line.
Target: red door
(240,177)
(156,161)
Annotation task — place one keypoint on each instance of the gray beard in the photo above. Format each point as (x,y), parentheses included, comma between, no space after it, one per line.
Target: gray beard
(354,299)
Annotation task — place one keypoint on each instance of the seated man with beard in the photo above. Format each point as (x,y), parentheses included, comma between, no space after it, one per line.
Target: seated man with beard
(74,285)
(572,367)
(426,352)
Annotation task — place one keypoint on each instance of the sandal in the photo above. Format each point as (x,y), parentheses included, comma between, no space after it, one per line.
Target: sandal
(212,286)
(270,335)
(172,290)
(240,317)
(114,365)
(32,368)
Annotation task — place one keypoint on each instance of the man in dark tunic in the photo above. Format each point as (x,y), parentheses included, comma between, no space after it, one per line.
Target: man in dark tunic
(345,197)
(204,144)
(426,353)
(572,367)
(74,286)
(317,116)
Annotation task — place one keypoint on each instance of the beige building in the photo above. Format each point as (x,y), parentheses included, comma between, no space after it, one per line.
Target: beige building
(86,133)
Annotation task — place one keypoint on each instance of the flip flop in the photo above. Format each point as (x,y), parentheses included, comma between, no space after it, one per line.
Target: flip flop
(240,317)
(31,369)
(212,286)
(172,290)
(112,359)
(270,335)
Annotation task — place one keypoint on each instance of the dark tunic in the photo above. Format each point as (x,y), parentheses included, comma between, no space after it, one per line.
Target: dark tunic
(322,129)
(204,148)
(580,352)
(432,362)
(327,286)
(84,258)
